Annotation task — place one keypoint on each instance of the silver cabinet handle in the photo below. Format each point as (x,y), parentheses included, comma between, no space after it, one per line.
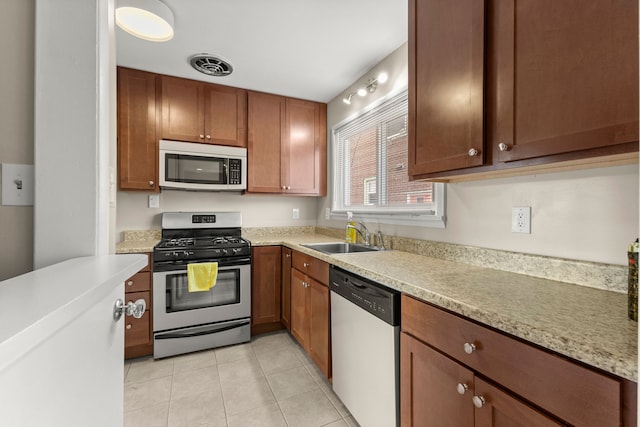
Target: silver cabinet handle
(305,265)
(151,183)
(128,325)
(201,136)
(473,152)
(287,255)
(208,136)
(469,348)
(503,147)
(462,388)
(129,282)
(478,401)
(135,309)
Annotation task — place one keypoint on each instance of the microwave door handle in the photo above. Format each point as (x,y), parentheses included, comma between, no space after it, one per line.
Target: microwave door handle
(225,167)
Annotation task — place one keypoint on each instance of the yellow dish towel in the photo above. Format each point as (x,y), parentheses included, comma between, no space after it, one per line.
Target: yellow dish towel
(202,276)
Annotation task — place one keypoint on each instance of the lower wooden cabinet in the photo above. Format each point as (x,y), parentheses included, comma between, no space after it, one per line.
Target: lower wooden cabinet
(138,333)
(310,310)
(460,373)
(266,279)
(438,391)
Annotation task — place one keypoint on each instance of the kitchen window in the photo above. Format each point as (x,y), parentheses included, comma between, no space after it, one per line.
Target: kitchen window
(370,169)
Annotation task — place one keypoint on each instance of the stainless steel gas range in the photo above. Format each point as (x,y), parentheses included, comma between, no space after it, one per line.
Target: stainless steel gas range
(186,321)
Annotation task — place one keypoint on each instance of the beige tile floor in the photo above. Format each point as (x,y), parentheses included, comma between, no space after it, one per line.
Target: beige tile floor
(267,382)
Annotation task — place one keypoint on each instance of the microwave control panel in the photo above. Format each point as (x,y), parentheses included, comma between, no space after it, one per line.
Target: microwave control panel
(235,171)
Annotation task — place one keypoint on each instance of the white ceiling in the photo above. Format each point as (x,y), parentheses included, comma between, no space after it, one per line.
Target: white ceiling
(310,49)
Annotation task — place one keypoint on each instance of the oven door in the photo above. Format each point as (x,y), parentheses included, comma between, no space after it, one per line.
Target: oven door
(175,307)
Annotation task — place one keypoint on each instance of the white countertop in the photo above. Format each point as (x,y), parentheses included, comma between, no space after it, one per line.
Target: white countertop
(35,305)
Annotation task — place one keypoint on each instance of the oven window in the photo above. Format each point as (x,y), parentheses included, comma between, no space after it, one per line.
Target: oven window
(195,169)
(226,291)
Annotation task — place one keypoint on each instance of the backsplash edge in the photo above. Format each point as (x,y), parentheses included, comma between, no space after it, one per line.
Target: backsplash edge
(584,273)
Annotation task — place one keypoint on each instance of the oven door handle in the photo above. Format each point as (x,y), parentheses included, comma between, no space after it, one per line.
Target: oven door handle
(182,265)
(209,331)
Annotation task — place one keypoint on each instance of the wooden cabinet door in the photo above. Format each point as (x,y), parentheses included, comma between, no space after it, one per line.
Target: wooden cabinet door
(446,85)
(265,285)
(286,288)
(137,142)
(299,311)
(565,77)
(319,326)
(304,148)
(429,387)
(225,115)
(266,118)
(500,409)
(182,109)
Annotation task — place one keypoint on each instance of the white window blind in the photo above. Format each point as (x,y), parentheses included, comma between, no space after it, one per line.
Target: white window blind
(370,167)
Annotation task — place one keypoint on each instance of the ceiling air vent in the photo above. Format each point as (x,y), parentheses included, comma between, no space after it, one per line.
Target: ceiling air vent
(211,65)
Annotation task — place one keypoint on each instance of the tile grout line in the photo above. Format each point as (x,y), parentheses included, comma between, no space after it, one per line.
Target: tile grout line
(284,417)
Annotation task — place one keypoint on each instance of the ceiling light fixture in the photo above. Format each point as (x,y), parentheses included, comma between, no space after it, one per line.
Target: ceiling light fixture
(149,20)
(347,99)
(370,87)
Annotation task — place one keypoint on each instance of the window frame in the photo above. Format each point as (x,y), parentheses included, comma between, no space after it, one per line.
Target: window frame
(434,218)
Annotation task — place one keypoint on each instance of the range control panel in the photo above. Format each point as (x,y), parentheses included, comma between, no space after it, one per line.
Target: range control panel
(203,219)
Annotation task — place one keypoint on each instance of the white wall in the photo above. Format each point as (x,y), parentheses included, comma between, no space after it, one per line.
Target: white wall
(73,128)
(133,212)
(587,215)
(16,128)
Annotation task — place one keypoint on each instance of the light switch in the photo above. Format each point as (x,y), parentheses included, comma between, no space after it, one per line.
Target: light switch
(17,184)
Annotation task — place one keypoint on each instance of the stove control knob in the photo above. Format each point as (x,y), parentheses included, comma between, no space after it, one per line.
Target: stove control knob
(185,253)
(236,250)
(224,251)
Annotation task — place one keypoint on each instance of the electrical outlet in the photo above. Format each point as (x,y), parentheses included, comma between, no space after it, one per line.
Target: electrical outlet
(154,201)
(521,219)
(296,213)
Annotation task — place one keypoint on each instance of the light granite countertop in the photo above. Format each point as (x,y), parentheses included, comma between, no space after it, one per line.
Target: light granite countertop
(586,324)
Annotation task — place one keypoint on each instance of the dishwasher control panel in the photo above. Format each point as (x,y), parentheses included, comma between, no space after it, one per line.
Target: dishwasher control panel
(377,299)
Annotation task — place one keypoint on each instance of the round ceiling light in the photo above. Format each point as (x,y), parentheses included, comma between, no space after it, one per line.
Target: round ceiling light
(149,20)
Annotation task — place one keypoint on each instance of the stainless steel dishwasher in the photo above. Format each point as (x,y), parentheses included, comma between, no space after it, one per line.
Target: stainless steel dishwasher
(365,336)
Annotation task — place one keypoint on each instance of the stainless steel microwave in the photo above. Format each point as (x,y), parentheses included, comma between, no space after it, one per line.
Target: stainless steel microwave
(202,167)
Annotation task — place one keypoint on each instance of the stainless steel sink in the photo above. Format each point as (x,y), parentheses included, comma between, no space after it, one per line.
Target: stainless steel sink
(340,247)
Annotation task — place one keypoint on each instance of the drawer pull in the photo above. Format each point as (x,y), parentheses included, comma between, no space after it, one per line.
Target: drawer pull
(462,388)
(128,325)
(503,147)
(478,401)
(129,282)
(469,348)
(305,265)
(473,152)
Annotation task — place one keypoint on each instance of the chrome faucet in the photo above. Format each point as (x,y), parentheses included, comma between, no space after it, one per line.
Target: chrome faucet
(364,233)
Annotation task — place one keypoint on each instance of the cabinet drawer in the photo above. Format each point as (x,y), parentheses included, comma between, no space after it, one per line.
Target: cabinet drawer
(137,331)
(568,390)
(138,282)
(311,266)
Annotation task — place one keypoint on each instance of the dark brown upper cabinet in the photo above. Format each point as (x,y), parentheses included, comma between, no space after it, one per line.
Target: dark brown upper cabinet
(495,85)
